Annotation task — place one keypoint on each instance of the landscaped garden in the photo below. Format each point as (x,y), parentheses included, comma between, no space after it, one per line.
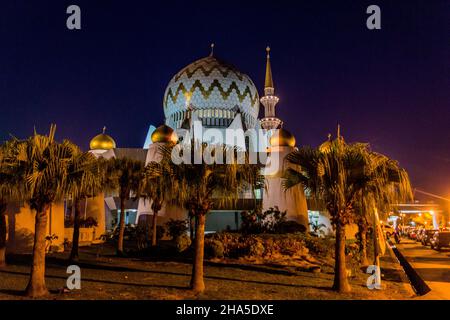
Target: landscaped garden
(269,257)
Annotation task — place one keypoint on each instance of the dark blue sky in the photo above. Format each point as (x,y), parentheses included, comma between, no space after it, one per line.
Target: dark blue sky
(388,87)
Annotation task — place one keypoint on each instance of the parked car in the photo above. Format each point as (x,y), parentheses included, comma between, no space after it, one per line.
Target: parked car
(440,239)
(420,235)
(427,235)
(412,234)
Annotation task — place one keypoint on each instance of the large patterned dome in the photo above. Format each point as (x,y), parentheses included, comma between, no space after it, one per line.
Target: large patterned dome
(215,91)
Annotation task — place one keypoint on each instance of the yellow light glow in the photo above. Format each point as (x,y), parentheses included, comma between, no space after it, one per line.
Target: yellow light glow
(431,212)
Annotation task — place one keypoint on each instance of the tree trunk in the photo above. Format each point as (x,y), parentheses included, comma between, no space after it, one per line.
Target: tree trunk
(121,227)
(155,219)
(197,283)
(363,246)
(340,268)
(191,227)
(36,285)
(2,235)
(76,232)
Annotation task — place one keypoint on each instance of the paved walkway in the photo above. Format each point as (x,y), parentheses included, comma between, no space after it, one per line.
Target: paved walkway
(431,265)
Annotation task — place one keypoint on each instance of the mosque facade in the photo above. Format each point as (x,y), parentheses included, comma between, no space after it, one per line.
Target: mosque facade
(208,96)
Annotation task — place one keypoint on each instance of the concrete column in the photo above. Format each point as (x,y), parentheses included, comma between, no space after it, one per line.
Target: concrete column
(96,209)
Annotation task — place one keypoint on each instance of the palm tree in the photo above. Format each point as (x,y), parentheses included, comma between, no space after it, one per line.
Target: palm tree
(388,184)
(199,187)
(126,176)
(42,164)
(337,173)
(84,180)
(9,191)
(153,189)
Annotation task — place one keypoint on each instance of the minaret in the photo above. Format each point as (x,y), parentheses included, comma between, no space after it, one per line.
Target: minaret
(269,100)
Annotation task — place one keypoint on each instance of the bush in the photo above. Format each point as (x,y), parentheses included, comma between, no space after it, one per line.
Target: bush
(236,245)
(160,232)
(182,242)
(176,228)
(214,249)
(270,221)
(290,227)
(319,246)
(255,222)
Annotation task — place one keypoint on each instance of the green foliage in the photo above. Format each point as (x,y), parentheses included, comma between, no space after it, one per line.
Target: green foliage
(342,174)
(236,245)
(323,247)
(269,221)
(176,228)
(317,228)
(192,186)
(182,242)
(124,175)
(214,249)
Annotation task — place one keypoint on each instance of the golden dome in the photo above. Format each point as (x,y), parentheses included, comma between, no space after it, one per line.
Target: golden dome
(164,134)
(326,146)
(282,138)
(102,142)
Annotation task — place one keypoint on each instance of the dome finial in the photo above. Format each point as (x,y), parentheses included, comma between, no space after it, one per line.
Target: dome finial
(104,129)
(329,137)
(212,50)
(268,51)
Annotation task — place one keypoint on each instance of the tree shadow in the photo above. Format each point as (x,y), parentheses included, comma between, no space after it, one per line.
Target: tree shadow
(11,292)
(133,284)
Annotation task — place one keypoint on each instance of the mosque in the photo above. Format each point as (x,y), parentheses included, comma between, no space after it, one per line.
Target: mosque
(207,94)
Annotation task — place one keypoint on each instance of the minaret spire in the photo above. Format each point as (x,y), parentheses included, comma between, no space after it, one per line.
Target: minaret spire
(269,81)
(269,101)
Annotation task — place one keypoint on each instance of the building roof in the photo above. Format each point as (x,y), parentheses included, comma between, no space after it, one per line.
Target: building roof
(132,153)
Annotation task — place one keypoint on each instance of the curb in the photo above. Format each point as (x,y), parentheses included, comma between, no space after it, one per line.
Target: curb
(417,283)
(407,285)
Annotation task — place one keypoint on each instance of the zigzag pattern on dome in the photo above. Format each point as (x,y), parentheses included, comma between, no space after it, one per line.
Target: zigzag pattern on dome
(207,92)
(212,84)
(199,65)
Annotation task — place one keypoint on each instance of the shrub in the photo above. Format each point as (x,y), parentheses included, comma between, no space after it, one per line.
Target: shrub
(269,221)
(319,246)
(255,222)
(236,245)
(214,249)
(182,242)
(290,227)
(176,228)
(160,232)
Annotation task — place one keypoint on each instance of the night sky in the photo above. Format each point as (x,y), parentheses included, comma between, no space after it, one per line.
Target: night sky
(388,87)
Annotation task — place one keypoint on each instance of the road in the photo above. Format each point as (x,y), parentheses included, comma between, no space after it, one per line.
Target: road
(431,265)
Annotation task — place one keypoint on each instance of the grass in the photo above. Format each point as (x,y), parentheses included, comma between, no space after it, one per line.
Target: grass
(107,277)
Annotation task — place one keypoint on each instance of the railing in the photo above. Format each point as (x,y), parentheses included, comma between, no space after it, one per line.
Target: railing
(86,235)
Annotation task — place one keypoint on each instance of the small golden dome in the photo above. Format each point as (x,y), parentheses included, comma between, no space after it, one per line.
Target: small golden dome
(164,134)
(326,146)
(102,142)
(282,138)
